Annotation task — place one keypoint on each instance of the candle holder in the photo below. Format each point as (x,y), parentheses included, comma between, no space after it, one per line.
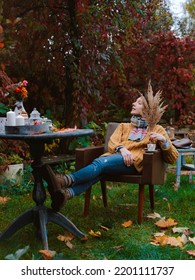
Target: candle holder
(27,129)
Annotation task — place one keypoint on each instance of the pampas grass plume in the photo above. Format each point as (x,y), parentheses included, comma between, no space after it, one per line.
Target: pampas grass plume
(153,107)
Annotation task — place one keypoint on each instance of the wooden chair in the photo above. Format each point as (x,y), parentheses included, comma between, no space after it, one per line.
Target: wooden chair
(153,172)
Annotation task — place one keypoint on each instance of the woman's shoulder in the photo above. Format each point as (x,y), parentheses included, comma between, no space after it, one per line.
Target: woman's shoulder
(159,127)
(126,125)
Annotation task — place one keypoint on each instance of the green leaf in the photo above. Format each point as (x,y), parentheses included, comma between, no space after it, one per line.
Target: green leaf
(3,108)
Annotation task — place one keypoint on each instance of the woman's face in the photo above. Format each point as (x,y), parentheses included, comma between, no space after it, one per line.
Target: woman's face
(137,107)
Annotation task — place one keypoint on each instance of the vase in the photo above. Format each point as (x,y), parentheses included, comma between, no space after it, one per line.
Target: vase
(13,174)
(19,109)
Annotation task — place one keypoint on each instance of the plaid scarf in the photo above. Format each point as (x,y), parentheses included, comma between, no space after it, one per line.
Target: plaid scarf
(140,129)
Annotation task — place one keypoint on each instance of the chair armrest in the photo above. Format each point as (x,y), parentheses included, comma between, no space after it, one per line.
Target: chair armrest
(85,156)
(153,168)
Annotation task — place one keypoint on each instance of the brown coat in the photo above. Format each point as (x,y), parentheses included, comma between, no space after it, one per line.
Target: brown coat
(120,138)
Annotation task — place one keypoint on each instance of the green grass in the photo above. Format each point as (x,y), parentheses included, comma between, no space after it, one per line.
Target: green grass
(118,243)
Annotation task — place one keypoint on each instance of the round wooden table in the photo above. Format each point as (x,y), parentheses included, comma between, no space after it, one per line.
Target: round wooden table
(40,215)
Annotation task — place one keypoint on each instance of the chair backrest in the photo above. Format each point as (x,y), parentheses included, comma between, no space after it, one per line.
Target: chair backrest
(110,129)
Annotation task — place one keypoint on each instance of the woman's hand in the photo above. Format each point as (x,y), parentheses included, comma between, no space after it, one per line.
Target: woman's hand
(157,137)
(127,156)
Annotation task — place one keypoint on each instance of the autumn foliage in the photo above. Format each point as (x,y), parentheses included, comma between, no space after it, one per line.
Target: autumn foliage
(86,60)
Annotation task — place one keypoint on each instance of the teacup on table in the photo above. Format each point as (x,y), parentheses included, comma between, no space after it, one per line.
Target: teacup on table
(151,147)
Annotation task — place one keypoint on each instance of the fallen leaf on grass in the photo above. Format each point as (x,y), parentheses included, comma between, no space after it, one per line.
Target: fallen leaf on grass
(159,240)
(47,254)
(3,200)
(175,241)
(179,229)
(184,239)
(188,232)
(192,240)
(167,240)
(84,238)
(104,228)
(119,248)
(191,252)
(127,224)
(153,215)
(95,233)
(66,239)
(166,223)
(69,244)
(159,234)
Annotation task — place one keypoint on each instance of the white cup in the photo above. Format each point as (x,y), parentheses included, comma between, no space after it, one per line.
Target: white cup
(151,147)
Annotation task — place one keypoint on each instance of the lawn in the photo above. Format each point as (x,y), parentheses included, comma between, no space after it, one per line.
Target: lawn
(115,242)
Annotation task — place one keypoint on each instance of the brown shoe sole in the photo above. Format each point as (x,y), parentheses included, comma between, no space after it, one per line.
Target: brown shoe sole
(57,194)
(50,177)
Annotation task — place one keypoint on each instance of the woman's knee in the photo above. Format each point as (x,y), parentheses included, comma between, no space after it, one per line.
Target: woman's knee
(99,161)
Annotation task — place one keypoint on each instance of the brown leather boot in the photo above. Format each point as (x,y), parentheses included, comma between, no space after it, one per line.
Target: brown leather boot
(55,181)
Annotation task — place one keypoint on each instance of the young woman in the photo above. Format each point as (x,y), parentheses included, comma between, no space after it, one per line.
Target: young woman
(126,148)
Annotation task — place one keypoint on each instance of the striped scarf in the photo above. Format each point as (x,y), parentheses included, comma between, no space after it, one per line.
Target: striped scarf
(140,129)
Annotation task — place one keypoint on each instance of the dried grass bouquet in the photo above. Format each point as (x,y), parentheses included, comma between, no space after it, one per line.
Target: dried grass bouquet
(153,107)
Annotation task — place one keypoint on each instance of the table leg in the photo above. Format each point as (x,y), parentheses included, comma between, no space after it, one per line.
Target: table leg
(190,176)
(40,215)
(64,222)
(178,170)
(43,228)
(48,215)
(21,221)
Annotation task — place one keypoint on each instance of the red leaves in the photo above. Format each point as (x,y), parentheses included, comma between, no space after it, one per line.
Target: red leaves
(113,52)
(82,5)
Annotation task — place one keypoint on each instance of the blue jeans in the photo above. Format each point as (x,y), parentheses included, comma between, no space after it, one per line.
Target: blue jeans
(92,173)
